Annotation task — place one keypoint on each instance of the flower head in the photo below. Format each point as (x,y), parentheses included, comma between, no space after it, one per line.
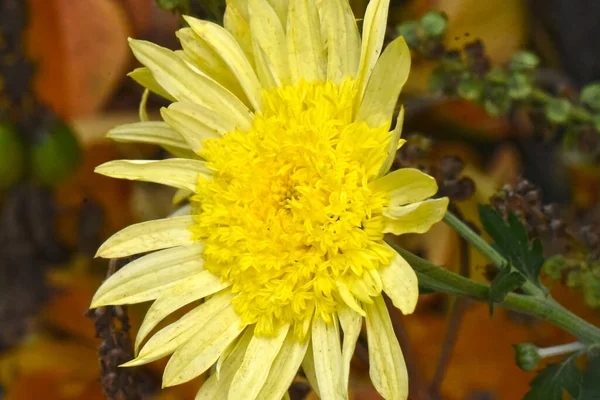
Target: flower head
(281,125)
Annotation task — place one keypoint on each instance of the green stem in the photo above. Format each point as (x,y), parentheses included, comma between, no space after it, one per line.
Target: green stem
(439,279)
(488,251)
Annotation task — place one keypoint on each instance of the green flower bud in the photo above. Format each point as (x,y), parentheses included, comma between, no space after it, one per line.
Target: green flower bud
(527,356)
(12,156)
(56,156)
(434,24)
(557,110)
(590,96)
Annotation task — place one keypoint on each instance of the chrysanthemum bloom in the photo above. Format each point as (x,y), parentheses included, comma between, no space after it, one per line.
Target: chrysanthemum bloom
(282,124)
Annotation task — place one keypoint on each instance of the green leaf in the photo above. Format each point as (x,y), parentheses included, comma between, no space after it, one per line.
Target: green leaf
(505,282)
(510,238)
(551,382)
(519,86)
(410,31)
(470,88)
(434,24)
(523,61)
(558,110)
(590,96)
(590,385)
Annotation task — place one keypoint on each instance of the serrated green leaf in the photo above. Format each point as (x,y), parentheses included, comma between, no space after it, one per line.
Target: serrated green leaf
(505,282)
(512,242)
(558,110)
(551,382)
(590,384)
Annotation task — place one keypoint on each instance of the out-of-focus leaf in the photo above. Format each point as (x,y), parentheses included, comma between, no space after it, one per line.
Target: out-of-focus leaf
(551,382)
(590,384)
(12,157)
(80,48)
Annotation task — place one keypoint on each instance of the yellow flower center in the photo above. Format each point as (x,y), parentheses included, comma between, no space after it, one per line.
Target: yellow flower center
(288,215)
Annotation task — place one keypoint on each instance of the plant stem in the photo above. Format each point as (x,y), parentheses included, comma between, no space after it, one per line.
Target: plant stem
(439,279)
(488,251)
(561,349)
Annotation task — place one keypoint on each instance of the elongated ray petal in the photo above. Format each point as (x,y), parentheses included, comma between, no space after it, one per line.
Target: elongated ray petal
(156,132)
(235,20)
(414,218)
(218,384)
(207,60)
(349,298)
(308,366)
(147,277)
(327,355)
(254,370)
(269,41)
(400,284)
(177,172)
(190,289)
(374,26)
(203,349)
(230,51)
(181,195)
(168,339)
(304,43)
(144,77)
(148,236)
(284,368)
(384,86)
(386,362)
(351,322)
(343,40)
(405,186)
(173,74)
(394,145)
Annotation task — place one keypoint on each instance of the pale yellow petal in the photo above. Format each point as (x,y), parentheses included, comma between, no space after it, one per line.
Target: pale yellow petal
(217,385)
(196,123)
(400,284)
(254,370)
(351,323)
(270,48)
(284,368)
(384,86)
(387,368)
(305,47)
(144,77)
(308,366)
(148,236)
(416,217)
(147,277)
(156,132)
(203,349)
(394,145)
(175,76)
(373,33)
(327,354)
(207,60)
(405,186)
(343,40)
(180,173)
(236,22)
(230,51)
(349,298)
(281,8)
(190,289)
(181,195)
(168,339)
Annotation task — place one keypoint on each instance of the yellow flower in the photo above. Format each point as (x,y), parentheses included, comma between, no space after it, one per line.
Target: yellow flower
(282,124)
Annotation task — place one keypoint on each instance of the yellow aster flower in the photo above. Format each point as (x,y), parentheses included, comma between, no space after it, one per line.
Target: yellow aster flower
(282,124)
